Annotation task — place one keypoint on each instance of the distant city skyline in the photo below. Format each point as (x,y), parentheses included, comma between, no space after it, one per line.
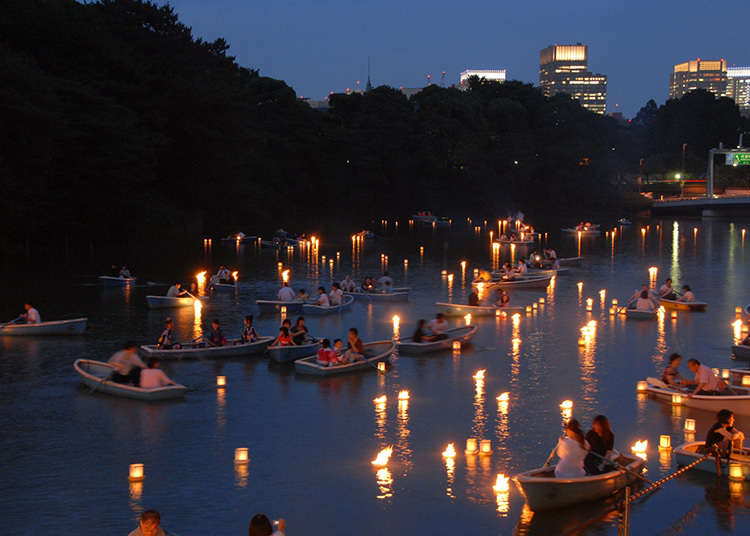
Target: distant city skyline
(323,46)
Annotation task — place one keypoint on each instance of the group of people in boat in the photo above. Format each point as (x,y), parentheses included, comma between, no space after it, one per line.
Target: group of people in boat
(292,336)
(383,284)
(498,298)
(432,331)
(331,355)
(222,277)
(29,315)
(215,337)
(704,381)
(592,454)
(121,272)
(129,369)
(668,293)
(645,299)
(334,298)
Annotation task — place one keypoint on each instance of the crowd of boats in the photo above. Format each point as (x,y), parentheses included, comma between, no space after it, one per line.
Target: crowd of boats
(724,392)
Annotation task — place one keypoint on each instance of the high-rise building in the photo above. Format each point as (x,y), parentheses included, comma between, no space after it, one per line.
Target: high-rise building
(710,75)
(738,87)
(564,69)
(493,75)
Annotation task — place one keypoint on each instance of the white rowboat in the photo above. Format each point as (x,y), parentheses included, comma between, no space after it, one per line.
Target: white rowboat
(374,353)
(74,326)
(287,354)
(687,453)
(741,351)
(110,281)
(463,334)
(545,492)
(683,306)
(739,403)
(311,309)
(166,302)
(455,309)
(737,376)
(95,375)
(191,350)
(396,294)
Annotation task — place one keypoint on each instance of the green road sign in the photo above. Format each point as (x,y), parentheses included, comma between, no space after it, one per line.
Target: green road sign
(739,159)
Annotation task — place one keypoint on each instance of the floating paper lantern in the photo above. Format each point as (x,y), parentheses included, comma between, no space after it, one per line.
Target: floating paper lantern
(382,399)
(471,445)
(240,455)
(381,460)
(746,380)
(485,447)
(676,399)
(674,315)
(502,484)
(450,451)
(541,301)
(381,366)
(457,345)
(566,404)
(615,301)
(136,472)
(665,442)
(221,381)
(503,397)
(528,308)
(689,425)
(534,306)
(479,375)
(403,395)
(642,386)
(467,319)
(735,472)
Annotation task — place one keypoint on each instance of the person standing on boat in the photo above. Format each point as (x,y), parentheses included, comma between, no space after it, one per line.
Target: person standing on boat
(165,341)
(31,315)
(601,441)
(474,298)
(347,285)
(285,292)
(248,333)
(666,291)
(176,291)
(127,365)
(152,377)
(385,283)
(705,381)
(322,300)
(572,450)
(723,434)
(687,294)
(336,296)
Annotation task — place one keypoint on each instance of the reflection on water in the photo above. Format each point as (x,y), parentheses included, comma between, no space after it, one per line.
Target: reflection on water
(385,483)
(241,473)
(402,431)
(450,476)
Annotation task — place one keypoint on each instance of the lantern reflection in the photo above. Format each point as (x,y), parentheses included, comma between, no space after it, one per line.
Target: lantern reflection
(384,481)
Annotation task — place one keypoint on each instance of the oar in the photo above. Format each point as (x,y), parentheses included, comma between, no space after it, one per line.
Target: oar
(19,317)
(620,466)
(551,454)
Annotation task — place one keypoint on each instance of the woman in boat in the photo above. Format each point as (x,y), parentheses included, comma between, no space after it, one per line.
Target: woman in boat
(355,347)
(322,300)
(248,333)
(671,376)
(687,294)
(284,339)
(572,450)
(326,355)
(503,299)
(723,435)
(601,441)
(420,335)
(166,340)
(216,336)
(644,303)
(299,332)
(368,285)
(194,288)
(474,298)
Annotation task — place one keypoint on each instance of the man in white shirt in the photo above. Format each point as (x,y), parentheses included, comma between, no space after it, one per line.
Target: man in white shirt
(286,293)
(637,294)
(127,365)
(666,291)
(438,326)
(152,377)
(385,283)
(175,291)
(347,285)
(31,315)
(706,382)
(322,300)
(336,295)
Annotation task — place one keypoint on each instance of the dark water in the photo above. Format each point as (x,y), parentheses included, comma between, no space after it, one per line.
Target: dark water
(65,452)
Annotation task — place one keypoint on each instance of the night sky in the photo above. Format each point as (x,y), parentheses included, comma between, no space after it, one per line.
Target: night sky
(318,46)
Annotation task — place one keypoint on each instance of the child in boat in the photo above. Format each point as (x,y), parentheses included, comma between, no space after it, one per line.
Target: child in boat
(572,449)
(503,300)
(248,333)
(327,356)
(355,347)
(216,337)
(723,435)
(338,348)
(671,376)
(165,341)
(284,339)
(152,377)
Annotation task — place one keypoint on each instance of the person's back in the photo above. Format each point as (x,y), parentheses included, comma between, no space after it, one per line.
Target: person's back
(688,296)
(572,456)
(473,299)
(644,304)
(152,378)
(323,300)
(173,292)
(286,294)
(438,326)
(33,316)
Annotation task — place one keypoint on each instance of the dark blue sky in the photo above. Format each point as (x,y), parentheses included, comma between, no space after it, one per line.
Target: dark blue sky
(321,45)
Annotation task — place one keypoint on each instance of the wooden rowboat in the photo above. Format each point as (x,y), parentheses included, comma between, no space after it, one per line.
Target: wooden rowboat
(455,309)
(741,351)
(739,402)
(109,281)
(635,314)
(287,354)
(687,453)
(310,309)
(374,353)
(590,231)
(682,306)
(165,302)
(463,334)
(191,350)
(545,492)
(516,242)
(95,375)
(74,326)
(396,294)
(275,306)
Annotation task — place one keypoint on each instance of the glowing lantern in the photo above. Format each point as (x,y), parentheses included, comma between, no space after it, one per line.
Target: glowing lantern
(640,448)
(381,366)
(240,455)
(676,399)
(479,375)
(528,308)
(234,275)
(283,309)
(502,484)
(673,315)
(221,381)
(746,380)
(534,306)
(612,311)
(450,451)
(615,301)
(735,472)
(463,265)
(200,278)
(403,395)
(690,425)
(541,301)
(381,460)
(471,446)
(665,442)
(396,324)
(602,294)
(498,312)
(485,447)
(457,345)
(285,276)
(476,272)
(580,286)
(503,397)
(652,272)
(444,272)
(450,279)
(382,399)
(738,310)
(467,319)
(642,386)
(589,304)
(406,263)
(136,472)
(566,404)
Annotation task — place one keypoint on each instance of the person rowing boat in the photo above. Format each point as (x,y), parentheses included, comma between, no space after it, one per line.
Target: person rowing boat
(166,341)
(706,382)
(645,303)
(637,294)
(31,315)
(285,292)
(127,365)
(666,291)
(176,291)
(601,442)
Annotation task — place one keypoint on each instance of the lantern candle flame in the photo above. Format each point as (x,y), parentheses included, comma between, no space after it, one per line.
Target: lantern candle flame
(502,484)
(381,460)
(403,395)
(135,472)
(221,381)
(450,451)
(240,455)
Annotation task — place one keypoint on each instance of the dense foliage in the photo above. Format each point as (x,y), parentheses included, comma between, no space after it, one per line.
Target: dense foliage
(115,119)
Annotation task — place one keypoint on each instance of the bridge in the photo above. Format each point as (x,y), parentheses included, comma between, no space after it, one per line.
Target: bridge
(706,207)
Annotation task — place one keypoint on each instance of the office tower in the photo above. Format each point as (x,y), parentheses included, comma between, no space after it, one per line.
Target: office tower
(564,69)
